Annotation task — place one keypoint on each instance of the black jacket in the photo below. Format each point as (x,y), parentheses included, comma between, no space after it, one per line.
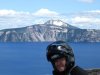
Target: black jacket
(75,71)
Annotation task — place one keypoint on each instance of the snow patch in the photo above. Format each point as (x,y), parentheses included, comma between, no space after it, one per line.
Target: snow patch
(56,22)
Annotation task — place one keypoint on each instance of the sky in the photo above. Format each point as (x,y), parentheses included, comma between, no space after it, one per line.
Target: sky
(20,13)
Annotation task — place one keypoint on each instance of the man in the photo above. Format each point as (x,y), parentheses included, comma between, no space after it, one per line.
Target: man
(61,56)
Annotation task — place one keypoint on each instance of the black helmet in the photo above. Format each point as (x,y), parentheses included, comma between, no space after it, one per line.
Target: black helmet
(60,49)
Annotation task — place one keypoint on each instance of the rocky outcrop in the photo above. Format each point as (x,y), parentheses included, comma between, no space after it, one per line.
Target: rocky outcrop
(50,31)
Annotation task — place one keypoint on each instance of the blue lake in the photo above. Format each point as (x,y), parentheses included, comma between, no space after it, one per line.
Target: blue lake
(30,58)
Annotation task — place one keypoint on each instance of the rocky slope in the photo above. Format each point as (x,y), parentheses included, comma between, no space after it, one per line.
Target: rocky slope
(50,31)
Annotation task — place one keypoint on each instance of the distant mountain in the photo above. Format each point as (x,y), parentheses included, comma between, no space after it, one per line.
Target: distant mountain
(60,23)
(52,30)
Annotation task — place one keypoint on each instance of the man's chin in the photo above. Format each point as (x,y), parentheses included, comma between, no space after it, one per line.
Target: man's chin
(61,69)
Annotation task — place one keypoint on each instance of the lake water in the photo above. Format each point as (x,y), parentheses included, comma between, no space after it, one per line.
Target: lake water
(30,58)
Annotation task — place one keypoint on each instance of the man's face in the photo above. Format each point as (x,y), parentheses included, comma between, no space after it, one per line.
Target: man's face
(60,64)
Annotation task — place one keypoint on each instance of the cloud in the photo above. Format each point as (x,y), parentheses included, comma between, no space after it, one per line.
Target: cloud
(15,19)
(87,19)
(45,12)
(94,11)
(80,20)
(86,1)
(7,12)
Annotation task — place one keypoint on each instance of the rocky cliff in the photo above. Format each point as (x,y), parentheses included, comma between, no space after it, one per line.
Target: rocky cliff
(50,31)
